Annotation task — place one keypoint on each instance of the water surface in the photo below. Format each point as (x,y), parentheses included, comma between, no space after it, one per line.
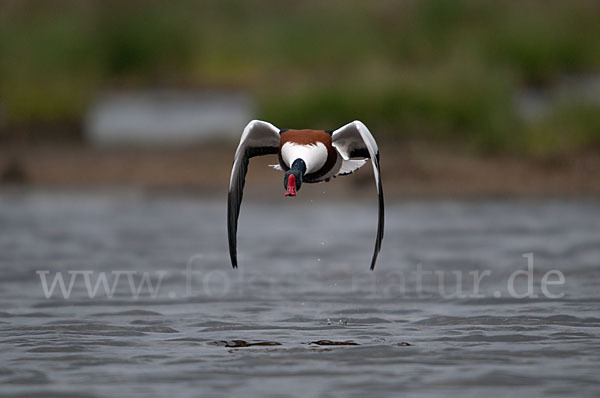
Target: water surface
(302,316)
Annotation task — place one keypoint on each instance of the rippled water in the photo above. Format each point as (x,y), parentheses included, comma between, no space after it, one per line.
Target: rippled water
(302,316)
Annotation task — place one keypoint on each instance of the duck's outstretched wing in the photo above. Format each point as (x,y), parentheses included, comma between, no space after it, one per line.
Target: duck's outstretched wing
(354,140)
(259,138)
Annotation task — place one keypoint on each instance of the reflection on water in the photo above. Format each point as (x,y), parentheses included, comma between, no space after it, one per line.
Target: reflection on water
(302,315)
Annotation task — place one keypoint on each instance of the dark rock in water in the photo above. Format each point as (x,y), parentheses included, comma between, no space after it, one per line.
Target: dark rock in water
(13,173)
(242,343)
(404,344)
(329,342)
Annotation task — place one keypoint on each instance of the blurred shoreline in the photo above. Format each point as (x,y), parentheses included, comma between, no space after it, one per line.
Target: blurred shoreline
(517,78)
(408,171)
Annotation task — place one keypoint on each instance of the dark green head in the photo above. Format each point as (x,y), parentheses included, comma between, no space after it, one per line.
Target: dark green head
(293,177)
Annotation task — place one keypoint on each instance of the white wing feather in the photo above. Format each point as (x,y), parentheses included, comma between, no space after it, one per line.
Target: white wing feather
(355,135)
(256,134)
(355,140)
(350,166)
(259,138)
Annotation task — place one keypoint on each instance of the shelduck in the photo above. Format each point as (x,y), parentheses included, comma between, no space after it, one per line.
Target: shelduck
(306,156)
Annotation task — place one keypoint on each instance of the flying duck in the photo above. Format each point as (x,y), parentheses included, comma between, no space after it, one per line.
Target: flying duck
(306,156)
